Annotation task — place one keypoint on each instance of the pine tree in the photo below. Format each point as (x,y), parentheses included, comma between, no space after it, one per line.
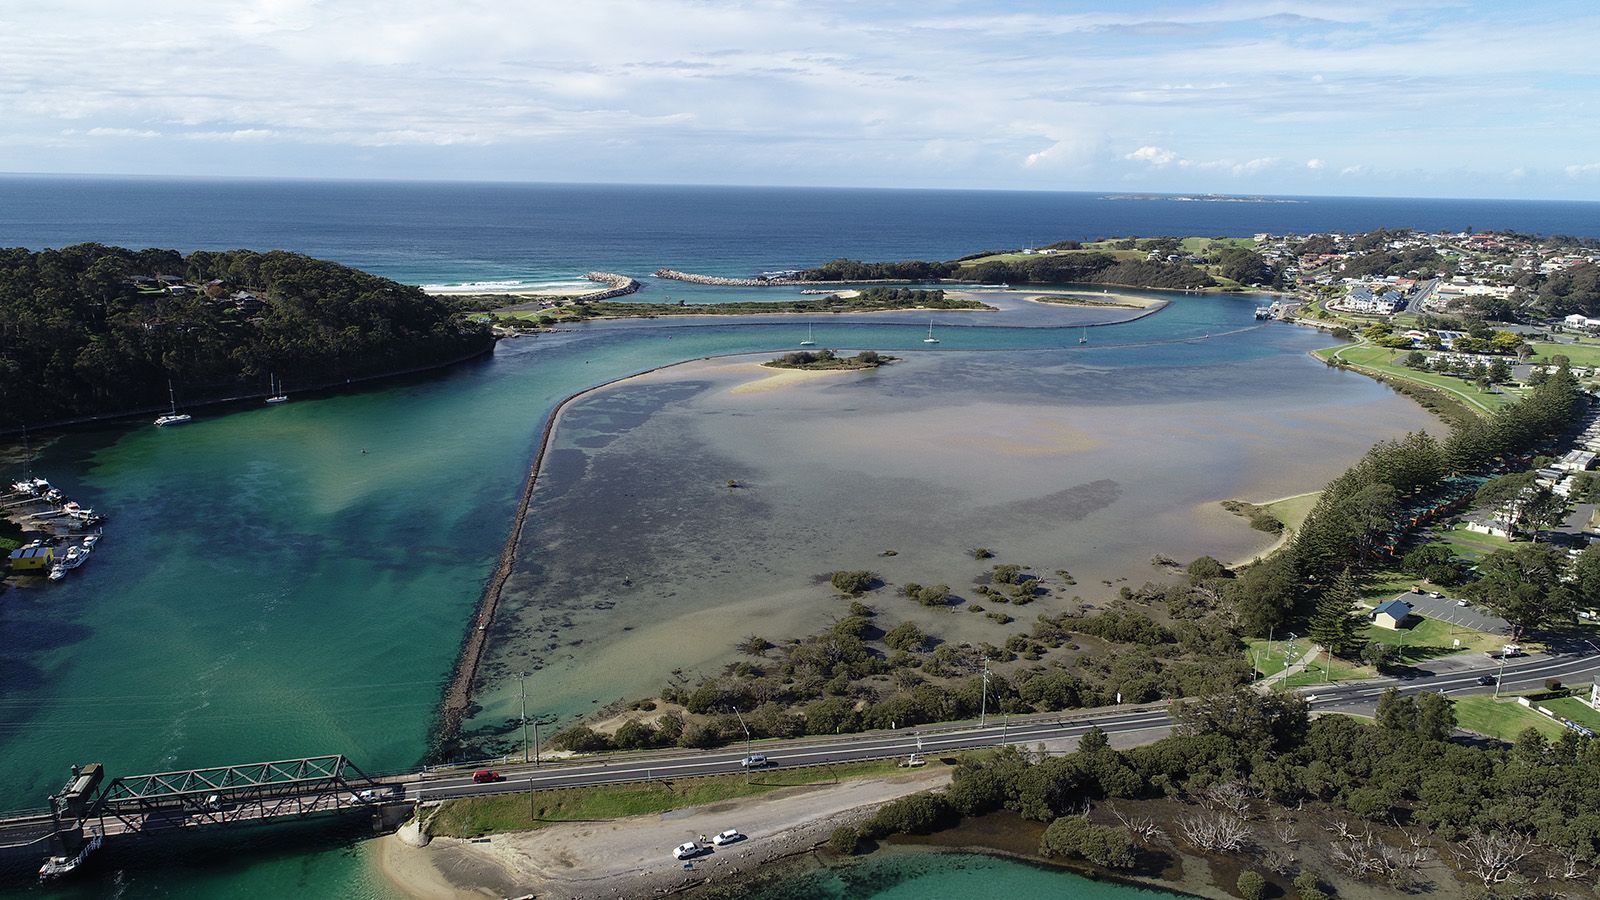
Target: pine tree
(1334,623)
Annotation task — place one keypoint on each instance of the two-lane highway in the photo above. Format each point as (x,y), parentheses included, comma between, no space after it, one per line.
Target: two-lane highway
(1141,725)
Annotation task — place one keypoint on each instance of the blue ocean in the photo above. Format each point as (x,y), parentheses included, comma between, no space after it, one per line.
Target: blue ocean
(537,236)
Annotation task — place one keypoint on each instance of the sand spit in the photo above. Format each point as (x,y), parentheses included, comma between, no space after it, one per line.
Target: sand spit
(633,857)
(764,379)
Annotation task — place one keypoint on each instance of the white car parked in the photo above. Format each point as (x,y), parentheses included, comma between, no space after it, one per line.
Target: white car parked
(688,851)
(731,836)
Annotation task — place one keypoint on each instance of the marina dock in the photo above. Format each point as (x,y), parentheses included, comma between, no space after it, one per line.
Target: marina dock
(58,533)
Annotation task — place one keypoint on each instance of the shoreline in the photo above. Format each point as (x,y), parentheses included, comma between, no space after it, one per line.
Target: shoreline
(254,395)
(457,699)
(628,857)
(1284,537)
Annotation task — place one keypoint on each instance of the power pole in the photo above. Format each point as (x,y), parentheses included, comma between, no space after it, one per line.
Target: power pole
(983,705)
(522,682)
(746,729)
(536,743)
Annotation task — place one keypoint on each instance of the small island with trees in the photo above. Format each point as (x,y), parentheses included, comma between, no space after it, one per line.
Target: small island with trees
(828,361)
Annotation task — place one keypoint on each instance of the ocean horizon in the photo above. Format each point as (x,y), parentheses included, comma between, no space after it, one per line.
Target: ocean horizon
(535,236)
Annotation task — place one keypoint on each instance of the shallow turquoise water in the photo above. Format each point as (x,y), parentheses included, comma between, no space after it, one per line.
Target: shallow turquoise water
(287,581)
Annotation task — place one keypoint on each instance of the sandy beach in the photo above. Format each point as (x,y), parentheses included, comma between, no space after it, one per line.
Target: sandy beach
(764,379)
(1104,299)
(632,857)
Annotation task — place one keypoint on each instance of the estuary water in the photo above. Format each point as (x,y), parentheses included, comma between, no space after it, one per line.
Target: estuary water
(289,581)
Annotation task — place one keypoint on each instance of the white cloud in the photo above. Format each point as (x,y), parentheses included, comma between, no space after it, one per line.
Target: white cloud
(825,91)
(1155,156)
(119,132)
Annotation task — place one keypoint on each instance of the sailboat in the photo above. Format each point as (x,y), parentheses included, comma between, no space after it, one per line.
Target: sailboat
(930,339)
(1083,338)
(808,342)
(278,396)
(174,417)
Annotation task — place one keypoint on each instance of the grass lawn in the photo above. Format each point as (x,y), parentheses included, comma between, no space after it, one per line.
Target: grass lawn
(1204,244)
(478,816)
(1019,257)
(1574,709)
(1473,543)
(1503,719)
(1270,658)
(1327,670)
(1384,360)
(1386,584)
(1292,511)
(1586,355)
(1432,638)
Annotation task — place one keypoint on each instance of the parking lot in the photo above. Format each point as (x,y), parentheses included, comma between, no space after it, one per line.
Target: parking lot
(1446,610)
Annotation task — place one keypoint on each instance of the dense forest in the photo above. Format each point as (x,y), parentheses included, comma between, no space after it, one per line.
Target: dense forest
(91,329)
(1090,268)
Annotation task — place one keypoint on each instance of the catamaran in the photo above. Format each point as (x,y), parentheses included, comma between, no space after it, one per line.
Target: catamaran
(930,339)
(278,396)
(174,417)
(809,342)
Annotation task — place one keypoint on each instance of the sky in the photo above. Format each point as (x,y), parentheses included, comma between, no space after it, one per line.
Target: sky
(1388,98)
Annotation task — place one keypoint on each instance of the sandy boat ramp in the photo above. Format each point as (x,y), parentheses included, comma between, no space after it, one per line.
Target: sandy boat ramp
(633,857)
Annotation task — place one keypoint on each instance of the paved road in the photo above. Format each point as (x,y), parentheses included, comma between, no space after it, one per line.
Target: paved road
(1447,610)
(1146,722)
(1414,305)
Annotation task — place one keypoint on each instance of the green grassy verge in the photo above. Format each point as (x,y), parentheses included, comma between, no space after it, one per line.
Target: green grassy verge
(1019,257)
(478,816)
(1433,638)
(1385,361)
(1503,719)
(1292,511)
(1474,544)
(1326,670)
(1574,709)
(1586,355)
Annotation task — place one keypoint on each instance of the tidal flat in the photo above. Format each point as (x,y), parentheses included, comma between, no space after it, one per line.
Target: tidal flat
(683,510)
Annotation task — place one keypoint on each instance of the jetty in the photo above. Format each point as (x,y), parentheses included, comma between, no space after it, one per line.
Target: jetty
(767,279)
(60,533)
(720,281)
(620,285)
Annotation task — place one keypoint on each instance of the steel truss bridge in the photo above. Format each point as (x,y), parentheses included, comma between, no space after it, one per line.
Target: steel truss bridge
(194,798)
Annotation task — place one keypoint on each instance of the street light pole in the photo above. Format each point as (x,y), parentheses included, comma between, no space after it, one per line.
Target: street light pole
(522,682)
(983,705)
(745,727)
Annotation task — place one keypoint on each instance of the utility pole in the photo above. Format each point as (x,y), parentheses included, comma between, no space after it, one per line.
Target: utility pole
(536,743)
(522,682)
(746,729)
(983,705)
(1500,675)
